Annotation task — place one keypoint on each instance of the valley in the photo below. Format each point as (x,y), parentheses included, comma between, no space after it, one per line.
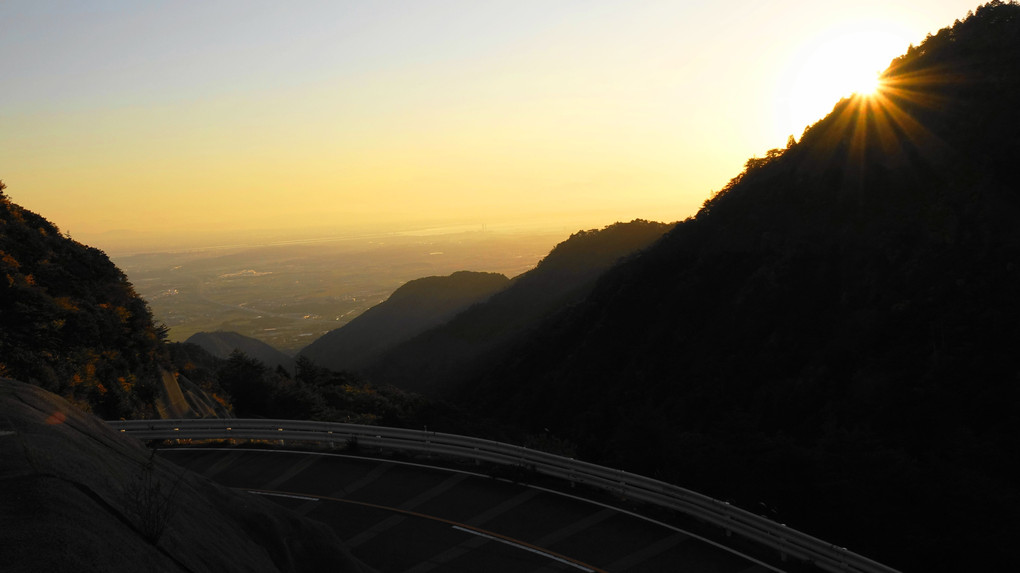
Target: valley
(287,295)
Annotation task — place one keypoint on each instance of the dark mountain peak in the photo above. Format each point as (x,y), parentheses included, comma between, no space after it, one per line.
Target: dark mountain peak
(416,306)
(222,343)
(439,288)
(601,247)
(440,359)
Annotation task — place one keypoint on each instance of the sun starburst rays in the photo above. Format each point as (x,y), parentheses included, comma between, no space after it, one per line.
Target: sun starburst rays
(883,130)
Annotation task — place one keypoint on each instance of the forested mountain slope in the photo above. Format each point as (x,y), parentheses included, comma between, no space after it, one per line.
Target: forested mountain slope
(222,343)
(413,308)
(71,323)
(832,340)
(438,359)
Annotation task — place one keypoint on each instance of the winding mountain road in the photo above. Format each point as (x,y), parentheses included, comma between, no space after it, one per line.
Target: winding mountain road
(410,517)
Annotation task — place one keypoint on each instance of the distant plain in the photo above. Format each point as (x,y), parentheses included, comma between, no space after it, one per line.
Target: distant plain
(287,295)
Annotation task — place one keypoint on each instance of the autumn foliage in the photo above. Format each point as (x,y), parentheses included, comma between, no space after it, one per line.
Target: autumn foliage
(71,322)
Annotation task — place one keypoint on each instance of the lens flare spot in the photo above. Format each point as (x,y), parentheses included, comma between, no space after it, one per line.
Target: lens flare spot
(56,418)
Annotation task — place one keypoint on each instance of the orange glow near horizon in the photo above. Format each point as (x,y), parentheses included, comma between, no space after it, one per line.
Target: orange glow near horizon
(136,126)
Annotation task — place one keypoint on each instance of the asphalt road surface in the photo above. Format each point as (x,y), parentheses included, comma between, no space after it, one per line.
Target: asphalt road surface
(410,517)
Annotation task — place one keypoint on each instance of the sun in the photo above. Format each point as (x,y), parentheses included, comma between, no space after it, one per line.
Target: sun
(839,64)
(866,85)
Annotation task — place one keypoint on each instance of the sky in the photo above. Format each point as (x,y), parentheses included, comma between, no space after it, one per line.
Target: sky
(140,124)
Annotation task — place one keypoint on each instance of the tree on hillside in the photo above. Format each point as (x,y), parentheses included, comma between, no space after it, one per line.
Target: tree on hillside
(245,379)
(71,322)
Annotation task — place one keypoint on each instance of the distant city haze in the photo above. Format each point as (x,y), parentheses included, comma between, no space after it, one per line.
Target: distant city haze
(138,126)
(288,294)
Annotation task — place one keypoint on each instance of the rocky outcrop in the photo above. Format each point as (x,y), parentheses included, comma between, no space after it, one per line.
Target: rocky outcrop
(80,497)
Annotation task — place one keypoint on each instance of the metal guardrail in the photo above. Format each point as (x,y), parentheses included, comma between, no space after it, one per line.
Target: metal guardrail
(789,542)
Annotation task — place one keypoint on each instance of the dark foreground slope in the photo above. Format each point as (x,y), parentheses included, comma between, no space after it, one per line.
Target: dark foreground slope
(413,308)
(437,359)
(833,339)
(79,497)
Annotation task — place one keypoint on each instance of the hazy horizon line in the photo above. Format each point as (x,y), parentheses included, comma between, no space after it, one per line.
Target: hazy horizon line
(132,242)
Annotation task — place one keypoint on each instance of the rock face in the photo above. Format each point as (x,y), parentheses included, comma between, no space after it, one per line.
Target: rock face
(78,496)
(181,398)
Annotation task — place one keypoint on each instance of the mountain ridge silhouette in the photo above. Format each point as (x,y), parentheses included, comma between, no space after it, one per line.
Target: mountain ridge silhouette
(416,306)
(832,337)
